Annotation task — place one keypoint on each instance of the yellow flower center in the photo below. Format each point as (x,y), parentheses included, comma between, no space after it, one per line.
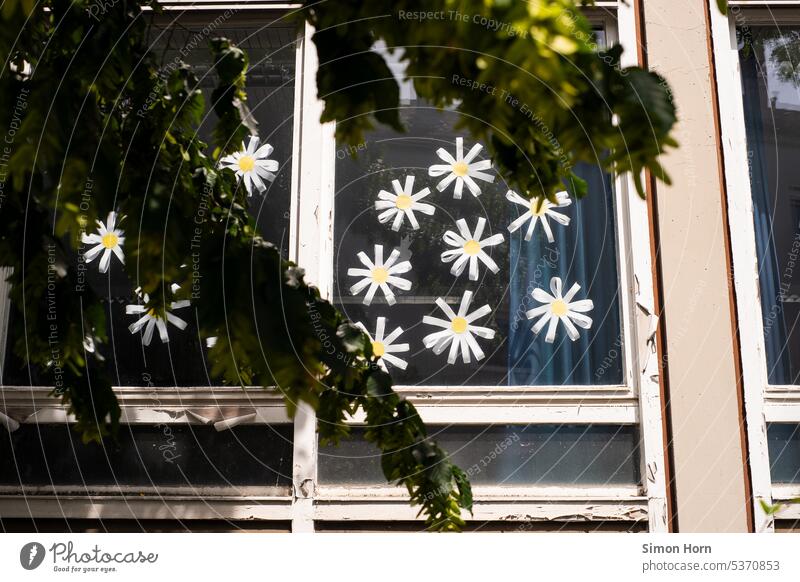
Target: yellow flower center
(378,349)
(403,202)
(472,247)
(380,275)
(459,325)
(461,169)
(538,206)
(152,313)
(110,240)
(559,308)
(247,163)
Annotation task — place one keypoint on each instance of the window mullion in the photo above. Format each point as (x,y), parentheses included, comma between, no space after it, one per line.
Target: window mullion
(312,245)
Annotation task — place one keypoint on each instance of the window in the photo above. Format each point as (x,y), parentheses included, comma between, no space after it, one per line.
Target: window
(188,447)
(772,119)
(508,412)
(547,431)
(541,454)
(755,53)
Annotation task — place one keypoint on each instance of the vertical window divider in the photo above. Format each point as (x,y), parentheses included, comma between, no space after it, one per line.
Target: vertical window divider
(643,365)
(311,239)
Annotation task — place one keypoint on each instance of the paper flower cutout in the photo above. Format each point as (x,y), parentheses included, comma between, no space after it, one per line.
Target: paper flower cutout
(380,274)
(251,165)
(383,347)
(561,308)
(469,249)
(107,240)
(539,209)
(402,204)
(461,169)
(458,331)
(151,320)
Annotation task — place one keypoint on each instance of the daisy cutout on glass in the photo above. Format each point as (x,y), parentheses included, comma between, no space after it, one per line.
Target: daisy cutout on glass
(461,169)
(383,346)
(458,331)
(539,209)
(251,165)
(151,320)
(469,249)
(380,274)
(402,204)
(108,239)
(558,307)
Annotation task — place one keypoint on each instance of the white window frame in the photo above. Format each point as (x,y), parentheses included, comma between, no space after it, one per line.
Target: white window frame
(637,401)
(764,402)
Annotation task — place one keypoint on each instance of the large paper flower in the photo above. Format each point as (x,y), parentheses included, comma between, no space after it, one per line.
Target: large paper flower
(380,274)
(402,204)
(383,346)
(558,307)
(107,240)
(469,248)
(461,169)
(251,165)
(458,330)
(152,320)
(539,209)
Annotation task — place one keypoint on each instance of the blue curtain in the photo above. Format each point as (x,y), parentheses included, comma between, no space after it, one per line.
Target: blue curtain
(583,252)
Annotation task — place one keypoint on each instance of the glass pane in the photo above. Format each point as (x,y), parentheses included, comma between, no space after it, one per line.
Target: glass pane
(271,48)
(148,457)
(582,252)
(768,59)
(270,85)
(541,454)
(784,452)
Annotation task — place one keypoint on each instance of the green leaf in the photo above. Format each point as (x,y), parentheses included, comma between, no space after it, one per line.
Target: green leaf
(379,384)
(770,509)
(577,186)
(353,338)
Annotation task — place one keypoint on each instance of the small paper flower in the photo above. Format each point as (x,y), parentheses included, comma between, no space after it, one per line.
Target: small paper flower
(461,169)
(539,209)
(380,274)
(470,249)
(383,348)
(402,203)
(107,240)
(458,331)
(561,308)
(251,165)
(151,320)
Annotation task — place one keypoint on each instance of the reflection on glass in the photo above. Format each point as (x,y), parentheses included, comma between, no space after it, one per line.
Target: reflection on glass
(507,455)
(582,252)
(147,457)
(772,116)
(783,441)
